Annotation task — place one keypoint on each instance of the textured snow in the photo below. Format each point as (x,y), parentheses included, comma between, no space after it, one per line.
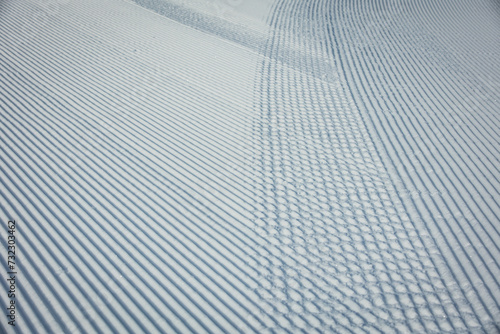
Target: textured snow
(232,166)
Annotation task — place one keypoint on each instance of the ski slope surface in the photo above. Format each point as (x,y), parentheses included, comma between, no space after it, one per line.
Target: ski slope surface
(250,166)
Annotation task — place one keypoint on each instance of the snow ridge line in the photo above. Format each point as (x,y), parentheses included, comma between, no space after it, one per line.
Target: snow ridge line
(210,24)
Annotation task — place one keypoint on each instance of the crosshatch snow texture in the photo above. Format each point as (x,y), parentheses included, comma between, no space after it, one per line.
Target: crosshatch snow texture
(267,166)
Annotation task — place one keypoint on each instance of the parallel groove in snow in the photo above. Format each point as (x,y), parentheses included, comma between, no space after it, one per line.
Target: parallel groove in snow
(206,305)
(486,240)
(298,11)
(355,188)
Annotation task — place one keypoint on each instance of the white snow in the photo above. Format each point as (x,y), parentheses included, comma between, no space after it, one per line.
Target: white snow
(251,166)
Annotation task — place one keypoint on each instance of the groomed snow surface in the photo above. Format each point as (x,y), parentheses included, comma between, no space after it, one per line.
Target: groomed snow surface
(251,166)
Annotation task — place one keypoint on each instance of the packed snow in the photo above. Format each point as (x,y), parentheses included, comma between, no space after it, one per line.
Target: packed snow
(250,166)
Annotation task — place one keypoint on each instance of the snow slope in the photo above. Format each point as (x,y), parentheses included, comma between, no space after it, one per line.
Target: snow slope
(251,166)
